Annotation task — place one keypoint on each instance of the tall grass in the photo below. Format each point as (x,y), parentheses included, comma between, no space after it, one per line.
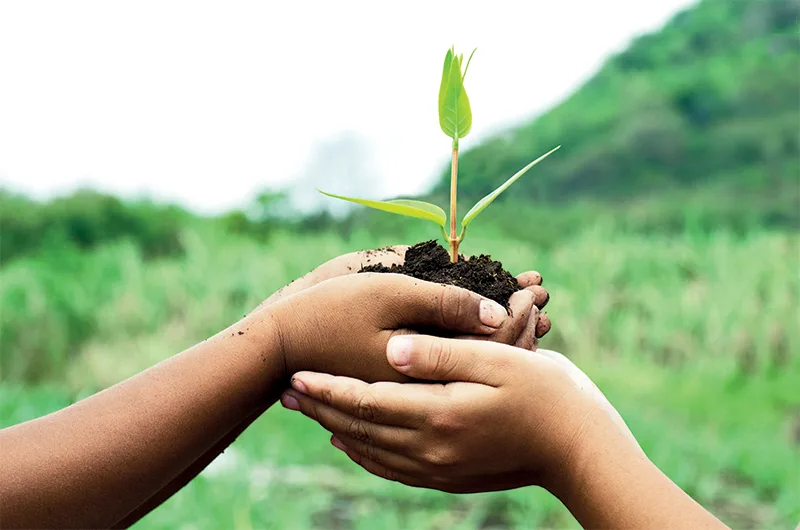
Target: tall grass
(693,335)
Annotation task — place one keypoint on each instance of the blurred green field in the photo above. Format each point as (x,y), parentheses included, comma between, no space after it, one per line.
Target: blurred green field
(667,229)
(693,336)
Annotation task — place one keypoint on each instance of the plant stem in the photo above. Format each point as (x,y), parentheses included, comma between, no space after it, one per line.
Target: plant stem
(453,190)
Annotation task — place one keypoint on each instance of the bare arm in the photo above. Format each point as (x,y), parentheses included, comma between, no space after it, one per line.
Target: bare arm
(112,457)
(542,422)
(612,484)
(92,463)
(523,330)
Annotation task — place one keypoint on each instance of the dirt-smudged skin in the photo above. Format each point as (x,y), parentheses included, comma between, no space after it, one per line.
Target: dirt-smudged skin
(430,262)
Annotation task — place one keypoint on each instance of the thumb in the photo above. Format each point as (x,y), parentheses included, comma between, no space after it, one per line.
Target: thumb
(438,359)
(425,305)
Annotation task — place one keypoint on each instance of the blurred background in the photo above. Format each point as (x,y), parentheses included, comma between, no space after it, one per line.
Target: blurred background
(157,170)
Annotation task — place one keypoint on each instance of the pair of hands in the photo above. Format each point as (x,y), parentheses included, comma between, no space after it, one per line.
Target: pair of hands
(532,409)
(499,417)
(336,321)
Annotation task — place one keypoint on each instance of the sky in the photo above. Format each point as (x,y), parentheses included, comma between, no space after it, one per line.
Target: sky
(206,104)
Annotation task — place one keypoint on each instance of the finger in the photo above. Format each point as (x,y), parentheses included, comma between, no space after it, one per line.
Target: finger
(388,437)
(541,296)
(380,470)
(388,403)
(529,279)
(520,305)
(543,325)
(379,455)
(439,359)
(421,304)
(527,340)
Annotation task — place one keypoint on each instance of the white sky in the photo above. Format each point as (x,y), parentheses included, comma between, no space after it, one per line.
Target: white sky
(204,104)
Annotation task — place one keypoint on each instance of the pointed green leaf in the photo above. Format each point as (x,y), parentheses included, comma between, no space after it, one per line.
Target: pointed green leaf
(486,201)
(455,115)
(438,215)
(407,207)
(448,58)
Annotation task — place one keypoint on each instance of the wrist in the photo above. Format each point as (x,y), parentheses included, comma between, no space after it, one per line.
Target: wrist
(264,334)
(597,443)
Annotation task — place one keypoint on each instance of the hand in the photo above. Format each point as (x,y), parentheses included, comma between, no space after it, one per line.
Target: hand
(342,325)
(523,329)
(512,418)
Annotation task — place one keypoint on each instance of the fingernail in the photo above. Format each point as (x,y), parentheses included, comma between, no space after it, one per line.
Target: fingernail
(337,443)
(400,350)
(492,314)
(299,386)
(290,402)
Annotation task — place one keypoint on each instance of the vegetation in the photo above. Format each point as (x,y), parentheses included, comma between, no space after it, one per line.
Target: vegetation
(710,102)
(667,232)
(84,220)
(455,119)
(692,336)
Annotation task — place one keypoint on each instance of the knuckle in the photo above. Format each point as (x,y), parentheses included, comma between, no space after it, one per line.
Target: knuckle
(371,453)
(451,306)
(314,413)
(441,457)
(326,396)
(440,355)
(359,432)
(367,407)
(444,423)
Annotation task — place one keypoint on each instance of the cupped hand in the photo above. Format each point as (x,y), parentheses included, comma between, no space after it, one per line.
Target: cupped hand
(526,322)
(501,418)
(342,325)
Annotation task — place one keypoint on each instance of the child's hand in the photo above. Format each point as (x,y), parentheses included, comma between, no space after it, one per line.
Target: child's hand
(523,328)
(512,418)
(342,325)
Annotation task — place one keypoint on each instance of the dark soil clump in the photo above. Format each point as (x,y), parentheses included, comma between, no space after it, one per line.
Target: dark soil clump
(430,262)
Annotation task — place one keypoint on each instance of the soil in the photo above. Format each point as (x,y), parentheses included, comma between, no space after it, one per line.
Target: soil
(429,261)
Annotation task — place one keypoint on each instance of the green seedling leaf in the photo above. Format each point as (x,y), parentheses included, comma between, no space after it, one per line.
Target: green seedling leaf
(448,58)
(455,115)
(409,208)
(486,201)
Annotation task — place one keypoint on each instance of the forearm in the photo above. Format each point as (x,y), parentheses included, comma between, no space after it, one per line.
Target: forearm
(612,484)
(192,471)
(92,464)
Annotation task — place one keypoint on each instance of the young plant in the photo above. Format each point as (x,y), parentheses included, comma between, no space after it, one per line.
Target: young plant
(455,119)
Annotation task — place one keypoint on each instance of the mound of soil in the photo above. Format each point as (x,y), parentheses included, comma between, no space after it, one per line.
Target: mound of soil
(429,261)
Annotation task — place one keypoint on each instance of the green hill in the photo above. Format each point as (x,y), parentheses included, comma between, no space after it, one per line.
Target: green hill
(711,101)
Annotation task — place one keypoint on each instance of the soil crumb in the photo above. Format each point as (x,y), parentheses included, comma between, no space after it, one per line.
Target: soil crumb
(430,262)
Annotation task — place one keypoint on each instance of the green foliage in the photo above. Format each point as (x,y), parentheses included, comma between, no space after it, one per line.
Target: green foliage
(409,208)
(455,119)
(486,201)
(704,374)
(681,305)
(84,220)
(710,101)
(455,115)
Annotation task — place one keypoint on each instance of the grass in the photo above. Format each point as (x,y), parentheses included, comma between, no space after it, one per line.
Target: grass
(692,336)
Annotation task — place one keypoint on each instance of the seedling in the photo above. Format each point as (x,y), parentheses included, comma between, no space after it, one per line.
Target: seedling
(455,119)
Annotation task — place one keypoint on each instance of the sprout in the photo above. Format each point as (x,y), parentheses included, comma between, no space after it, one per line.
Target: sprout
(455,119)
